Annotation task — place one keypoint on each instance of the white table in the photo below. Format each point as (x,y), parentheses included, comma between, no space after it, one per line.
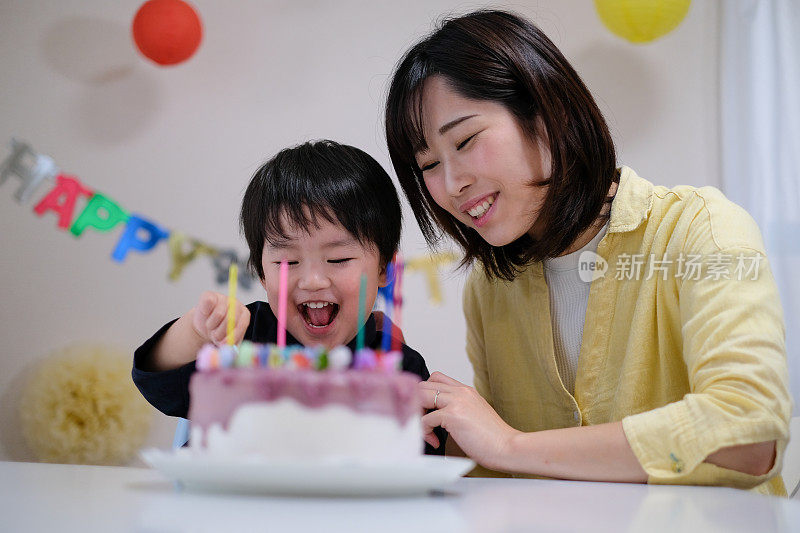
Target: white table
(54,498)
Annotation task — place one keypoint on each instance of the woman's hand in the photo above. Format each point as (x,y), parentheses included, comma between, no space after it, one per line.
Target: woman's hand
(210,319)
(467,417)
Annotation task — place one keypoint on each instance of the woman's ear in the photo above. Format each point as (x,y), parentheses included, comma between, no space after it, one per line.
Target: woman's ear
(543,143)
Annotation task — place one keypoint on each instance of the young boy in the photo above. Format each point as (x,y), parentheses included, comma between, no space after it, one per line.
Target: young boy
(331,212)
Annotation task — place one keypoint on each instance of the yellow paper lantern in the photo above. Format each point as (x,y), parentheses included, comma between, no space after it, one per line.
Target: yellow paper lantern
(641,21)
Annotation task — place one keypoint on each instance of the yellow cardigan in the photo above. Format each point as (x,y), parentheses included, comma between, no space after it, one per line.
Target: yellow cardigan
(683,339)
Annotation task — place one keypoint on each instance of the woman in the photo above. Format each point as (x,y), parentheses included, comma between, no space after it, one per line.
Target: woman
(666,368)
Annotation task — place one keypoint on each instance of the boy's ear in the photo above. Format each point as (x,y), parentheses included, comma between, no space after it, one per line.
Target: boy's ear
(382,281)
(264,284)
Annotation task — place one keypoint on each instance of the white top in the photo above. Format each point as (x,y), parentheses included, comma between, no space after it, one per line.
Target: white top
(85,499)
(569,295)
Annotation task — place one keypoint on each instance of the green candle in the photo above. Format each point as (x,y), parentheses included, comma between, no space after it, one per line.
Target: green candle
(362,296)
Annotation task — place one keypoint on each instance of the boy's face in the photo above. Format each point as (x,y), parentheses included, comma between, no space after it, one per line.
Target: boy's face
(325,267)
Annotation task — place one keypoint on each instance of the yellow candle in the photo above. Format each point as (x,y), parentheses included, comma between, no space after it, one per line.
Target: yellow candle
(232,278)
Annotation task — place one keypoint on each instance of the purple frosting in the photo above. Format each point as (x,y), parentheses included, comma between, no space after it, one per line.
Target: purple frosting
(215,396)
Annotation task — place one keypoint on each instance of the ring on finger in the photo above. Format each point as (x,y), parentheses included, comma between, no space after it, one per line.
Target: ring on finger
(435,398)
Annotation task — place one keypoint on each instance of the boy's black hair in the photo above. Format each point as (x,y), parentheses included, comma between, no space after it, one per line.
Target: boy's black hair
(340,183)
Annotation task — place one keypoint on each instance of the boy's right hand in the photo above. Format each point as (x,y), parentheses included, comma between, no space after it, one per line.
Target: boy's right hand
(210,319)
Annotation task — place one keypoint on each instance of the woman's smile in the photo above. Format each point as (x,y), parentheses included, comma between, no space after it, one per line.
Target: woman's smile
(482,210)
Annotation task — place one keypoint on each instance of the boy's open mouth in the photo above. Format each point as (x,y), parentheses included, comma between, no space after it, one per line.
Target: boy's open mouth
(318,314)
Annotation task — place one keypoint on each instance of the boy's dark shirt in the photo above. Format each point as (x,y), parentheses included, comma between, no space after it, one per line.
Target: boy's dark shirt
(168,391)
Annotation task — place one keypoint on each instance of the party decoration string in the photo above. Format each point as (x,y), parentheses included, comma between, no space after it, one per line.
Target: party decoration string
(177,243)
(430,265)
(103,214)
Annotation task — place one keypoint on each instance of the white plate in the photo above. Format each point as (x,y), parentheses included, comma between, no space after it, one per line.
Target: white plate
(201,472)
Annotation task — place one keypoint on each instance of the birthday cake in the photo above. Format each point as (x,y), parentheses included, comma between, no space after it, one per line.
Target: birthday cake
(301,403)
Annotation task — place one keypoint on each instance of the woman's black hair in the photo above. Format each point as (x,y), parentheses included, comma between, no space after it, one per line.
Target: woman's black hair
(337,182)
(501,57)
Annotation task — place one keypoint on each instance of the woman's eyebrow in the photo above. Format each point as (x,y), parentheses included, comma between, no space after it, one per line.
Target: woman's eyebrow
(423,148)
(453,123)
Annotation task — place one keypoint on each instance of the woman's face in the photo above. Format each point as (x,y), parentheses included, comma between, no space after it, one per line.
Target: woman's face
(480,163)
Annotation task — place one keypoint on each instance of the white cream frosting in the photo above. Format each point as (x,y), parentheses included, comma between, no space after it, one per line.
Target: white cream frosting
(285,429)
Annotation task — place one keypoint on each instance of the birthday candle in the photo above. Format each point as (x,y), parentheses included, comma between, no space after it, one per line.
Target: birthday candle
(204,357)
(232,278)
(365,359)
(339,358)
(275,357)
(247,355)
(227,354)
(283,286)
(362,296)
(397,299)
(387,328)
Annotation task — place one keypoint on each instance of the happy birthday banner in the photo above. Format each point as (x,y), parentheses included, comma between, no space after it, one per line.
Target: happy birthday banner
(141,235)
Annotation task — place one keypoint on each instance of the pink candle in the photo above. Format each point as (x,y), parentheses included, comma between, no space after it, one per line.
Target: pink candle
(283,293)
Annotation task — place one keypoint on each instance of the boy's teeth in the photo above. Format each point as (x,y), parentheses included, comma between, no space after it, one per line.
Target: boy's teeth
(480,209)
(316,305)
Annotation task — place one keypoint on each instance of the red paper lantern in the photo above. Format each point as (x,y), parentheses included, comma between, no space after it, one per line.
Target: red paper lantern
(167,31)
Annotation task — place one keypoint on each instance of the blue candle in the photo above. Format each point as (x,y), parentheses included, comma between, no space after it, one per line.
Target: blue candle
(387,327)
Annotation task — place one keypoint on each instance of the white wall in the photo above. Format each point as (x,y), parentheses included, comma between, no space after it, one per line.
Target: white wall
(179,144)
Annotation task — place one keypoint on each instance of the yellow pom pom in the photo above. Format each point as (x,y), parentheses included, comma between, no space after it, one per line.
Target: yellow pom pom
(641,21)
(82,407)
